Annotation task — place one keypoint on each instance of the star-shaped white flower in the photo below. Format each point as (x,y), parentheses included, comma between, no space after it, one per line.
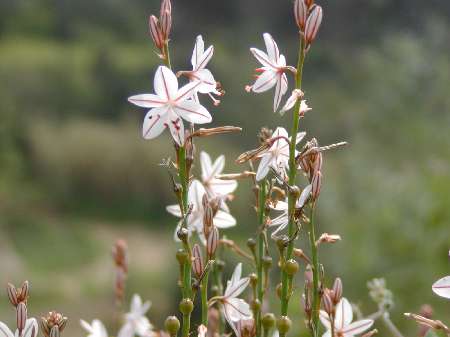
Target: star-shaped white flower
(277,156)
(442,287)
(343,325)
(136,323)
(282,220)
(216,187)
(31,329)
(273,70)
(95,329)
(236,309)
(194,220)
(169,106)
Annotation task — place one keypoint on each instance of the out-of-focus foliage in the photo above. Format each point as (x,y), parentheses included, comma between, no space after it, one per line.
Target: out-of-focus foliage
(75,174)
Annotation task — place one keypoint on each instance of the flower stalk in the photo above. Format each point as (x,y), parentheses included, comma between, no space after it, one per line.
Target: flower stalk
(315,271)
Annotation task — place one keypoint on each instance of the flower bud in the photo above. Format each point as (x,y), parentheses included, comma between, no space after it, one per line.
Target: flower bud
(186,306)
(291,267)
(316,185)
(255,305)
(212,242)
(337,290)
(155,32)
(327,302)
(24,290)
(300,13)
(251,243)
(312,24)
(309,3)
(21,316)
(12,294)
(268,321)
(253,280)
(172,325)
(166,18)
(308,275)
(182,234)
(284,324)
(267,261)
(197,264)
(52,320)
(54,332)
(182,256)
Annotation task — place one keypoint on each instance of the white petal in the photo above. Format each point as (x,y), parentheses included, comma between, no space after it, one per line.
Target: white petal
(4,330)
(280,206)
(272,48)
(176,128)
(324,318)
(280,89)
(86,326)
(327,333)
(262,57)
(265,81)
(442,287)
(187,91)
(282,222)
(136,303)
(207,82)
(154,123)
(237,273)
(147,100)
(127,330)
(224,220)
(222,187)
(195,194)
(165,83)
(199,48)
(218,166)
(174,210)
(238,309)
(234,289)
(300,136)
(304,196)
(31,328)
(264,166)
(290,102)
(205,58)
(206,166)
(99,328)
(193,112)
(357,327)
(280,132)
(344,314)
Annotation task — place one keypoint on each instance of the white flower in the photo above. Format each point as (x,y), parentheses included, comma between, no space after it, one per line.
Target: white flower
(442,287)
(282,220)
(169,105)
(194,220)
(277,156)
(274,66)
(95,329)
(343,321)
(216,187)
(30,330)
(296,95)
(136,323)
(236,309)
(199,60)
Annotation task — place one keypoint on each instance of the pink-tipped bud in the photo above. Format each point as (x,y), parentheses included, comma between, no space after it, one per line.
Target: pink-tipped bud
(212,242)
(165,19)
(155,32)
(337,290)
(300,12)
(21,316)
(197,263)
(313,24)
(327,302)
(316,185)
(309,3)
(12,294)
(317,162)
(166,6)
(24,290)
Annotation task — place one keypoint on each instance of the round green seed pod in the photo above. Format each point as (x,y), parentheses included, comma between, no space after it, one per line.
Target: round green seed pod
(253,279)
(284,324)
(251,243)
(255,305)
(268,321)
(291,267)
(172,325)
(267,261)
(186,306)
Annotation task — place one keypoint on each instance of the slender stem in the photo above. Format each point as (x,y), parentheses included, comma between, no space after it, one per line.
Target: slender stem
(332,326)
(204,295)
(259,262)
(166,55)
(390,325)
(316,271)
(292,177)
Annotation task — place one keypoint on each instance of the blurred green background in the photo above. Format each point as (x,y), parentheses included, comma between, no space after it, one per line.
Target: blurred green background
(75,174)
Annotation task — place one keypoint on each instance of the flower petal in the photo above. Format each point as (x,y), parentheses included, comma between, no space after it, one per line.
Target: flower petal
(280,89)
(265,81)
(264,166)
(262,57)
(199,49)
(224,220)
(207,82)
(176,128)
(165,83)
(304,196)
(195,194)
(325,319)
(222,187)
(193,112)
(237,273)
(4,330)
(357,327)
(206,166)
(31,328)
(218,166)
(272,48)
(205,58)
(280,206)
(146,100)
(174,210)
(187,91)
(154,123)
(127,330)
(442,287)
(237,309)
(344,314)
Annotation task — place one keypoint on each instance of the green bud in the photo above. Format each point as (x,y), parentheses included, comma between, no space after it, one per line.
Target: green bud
(251,243)
(291,267)
(268,321)
(295,192)
(255,305)
(253,279)
(267,261)
(284,324)
(186,306)
(282,242)
(182,256)
(172,325)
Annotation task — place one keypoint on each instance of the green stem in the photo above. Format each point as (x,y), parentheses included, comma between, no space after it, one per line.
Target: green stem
(292,177)
(259,263)
(166,55)
(316,271)
(204,295)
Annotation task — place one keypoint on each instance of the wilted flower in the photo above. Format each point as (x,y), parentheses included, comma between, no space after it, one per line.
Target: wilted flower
(442,287)
(234,308)
(273,70)
(216,187)
(95,329)
(54,321)
(343,321)
(296,95)
(169,105)
(194,220)
(277,156)
(136,323)
(30,329)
